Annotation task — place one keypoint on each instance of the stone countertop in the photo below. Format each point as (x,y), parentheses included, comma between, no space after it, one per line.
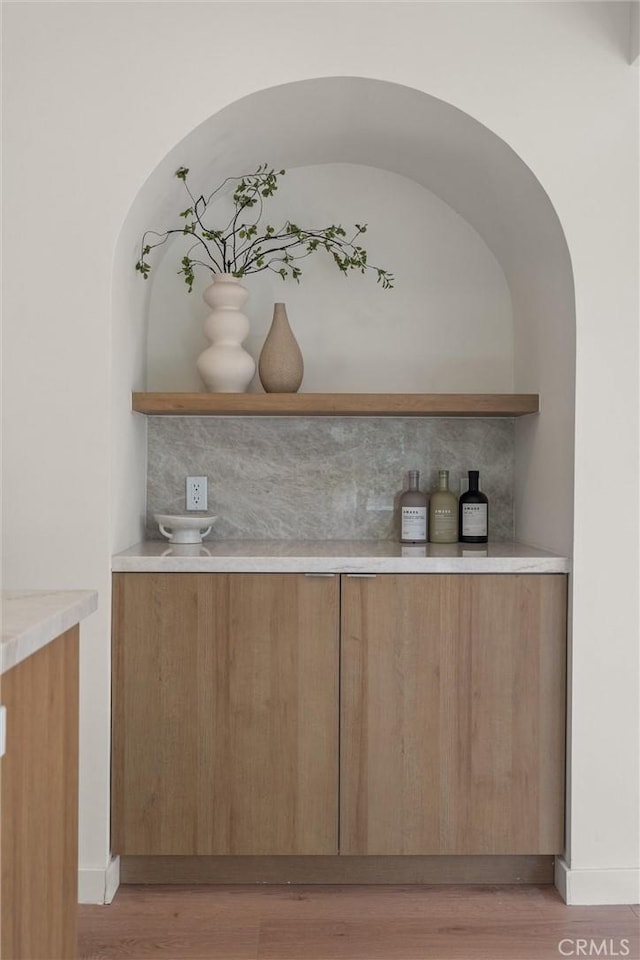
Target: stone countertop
(33,618)
(336,556)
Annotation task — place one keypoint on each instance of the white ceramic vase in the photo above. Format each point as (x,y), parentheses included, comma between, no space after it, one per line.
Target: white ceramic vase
(225,366)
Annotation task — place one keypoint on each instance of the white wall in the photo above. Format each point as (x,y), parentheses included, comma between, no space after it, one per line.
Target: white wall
(463,167)
(446,325)
(97,94)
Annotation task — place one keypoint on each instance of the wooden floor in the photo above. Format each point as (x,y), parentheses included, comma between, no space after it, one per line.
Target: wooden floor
(353,923)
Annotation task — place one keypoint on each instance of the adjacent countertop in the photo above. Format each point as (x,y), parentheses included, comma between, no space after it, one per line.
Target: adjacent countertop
(33,618)
(336,556)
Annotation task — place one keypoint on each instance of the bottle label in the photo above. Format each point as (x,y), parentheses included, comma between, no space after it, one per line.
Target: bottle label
(414,523)
(445,523)
(474,520)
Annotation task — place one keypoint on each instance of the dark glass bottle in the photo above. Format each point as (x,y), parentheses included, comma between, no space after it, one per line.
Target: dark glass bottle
(473,513)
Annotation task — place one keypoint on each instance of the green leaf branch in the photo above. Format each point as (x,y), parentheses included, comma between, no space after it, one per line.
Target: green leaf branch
(243,246)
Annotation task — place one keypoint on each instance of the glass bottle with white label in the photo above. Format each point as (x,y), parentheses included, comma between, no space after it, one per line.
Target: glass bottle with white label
(473,512)
(413,512)
(443,512)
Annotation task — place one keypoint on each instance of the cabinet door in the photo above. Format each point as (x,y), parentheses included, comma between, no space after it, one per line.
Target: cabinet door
(39,805)
(452,714)
(225,714)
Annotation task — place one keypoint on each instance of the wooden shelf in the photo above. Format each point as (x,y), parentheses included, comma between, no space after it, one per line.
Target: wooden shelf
(336,404)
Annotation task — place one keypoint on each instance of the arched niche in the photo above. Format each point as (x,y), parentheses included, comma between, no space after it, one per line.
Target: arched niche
(442,191)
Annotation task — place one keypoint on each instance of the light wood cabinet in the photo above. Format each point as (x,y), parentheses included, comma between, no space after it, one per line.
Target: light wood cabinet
(39,805)
(225,714)
(452,714)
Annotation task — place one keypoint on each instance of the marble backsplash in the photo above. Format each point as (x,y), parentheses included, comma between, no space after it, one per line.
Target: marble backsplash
(322,478)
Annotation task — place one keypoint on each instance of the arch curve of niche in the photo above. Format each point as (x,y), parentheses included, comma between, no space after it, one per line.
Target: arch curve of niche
(483,298)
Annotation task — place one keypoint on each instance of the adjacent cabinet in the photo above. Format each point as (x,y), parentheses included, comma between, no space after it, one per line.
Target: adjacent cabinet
(39,805)
(292,714)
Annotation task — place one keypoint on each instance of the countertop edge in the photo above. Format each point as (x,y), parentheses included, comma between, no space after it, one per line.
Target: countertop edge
(307,565)
(33,618)
(147,558)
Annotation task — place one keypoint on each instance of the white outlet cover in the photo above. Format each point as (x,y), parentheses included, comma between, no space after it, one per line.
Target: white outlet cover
(196,493)
(3,731)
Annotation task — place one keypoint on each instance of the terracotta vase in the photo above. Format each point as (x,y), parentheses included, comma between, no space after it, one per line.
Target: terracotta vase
(225,366)
(280,366)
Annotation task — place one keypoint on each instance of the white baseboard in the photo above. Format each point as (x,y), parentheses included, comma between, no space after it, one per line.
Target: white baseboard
(112,880)
(596,887)
(99,886)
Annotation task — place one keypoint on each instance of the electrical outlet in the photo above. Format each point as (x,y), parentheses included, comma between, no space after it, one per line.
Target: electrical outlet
(3,731)
(196,493)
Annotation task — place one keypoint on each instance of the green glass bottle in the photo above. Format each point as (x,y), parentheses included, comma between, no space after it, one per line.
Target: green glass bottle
(443,512)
